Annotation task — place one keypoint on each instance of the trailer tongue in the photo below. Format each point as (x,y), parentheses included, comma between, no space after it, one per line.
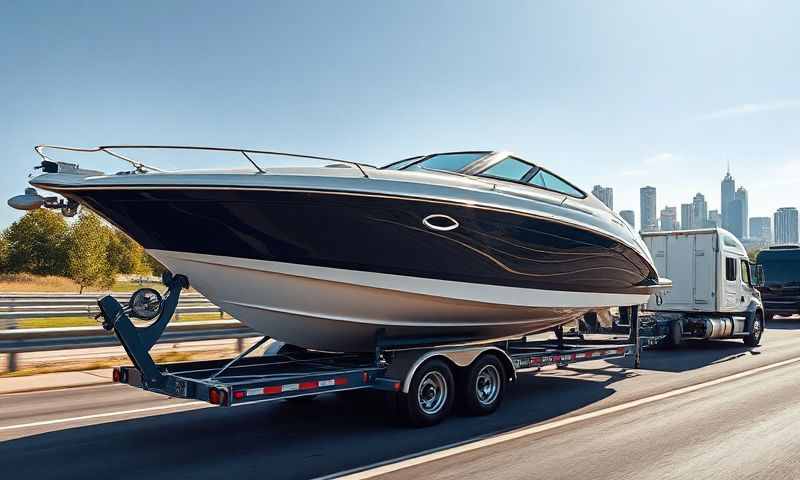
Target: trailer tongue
(424,374)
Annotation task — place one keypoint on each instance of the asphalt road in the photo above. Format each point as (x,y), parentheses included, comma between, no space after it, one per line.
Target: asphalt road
(740,428)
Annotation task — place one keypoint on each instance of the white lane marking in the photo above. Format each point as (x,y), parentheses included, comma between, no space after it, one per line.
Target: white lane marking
(382,468)
(101,415)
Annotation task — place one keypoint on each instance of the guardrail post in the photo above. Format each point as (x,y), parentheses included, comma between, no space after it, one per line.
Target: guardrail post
(12,356)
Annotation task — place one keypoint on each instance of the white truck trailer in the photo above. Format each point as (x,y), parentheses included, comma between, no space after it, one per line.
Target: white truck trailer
(713,292)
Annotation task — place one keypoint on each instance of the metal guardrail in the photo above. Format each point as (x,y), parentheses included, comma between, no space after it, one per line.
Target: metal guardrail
(48,339)
(20,306)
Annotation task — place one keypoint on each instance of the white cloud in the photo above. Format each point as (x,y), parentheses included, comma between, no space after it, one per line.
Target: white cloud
(749,108)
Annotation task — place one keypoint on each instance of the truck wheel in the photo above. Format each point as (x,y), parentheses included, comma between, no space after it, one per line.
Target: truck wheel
(483,386)
(754,338)
(676,333)
(430,396)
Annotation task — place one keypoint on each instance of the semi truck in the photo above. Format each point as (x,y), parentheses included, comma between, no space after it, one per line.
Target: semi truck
(781,289)
(714,293)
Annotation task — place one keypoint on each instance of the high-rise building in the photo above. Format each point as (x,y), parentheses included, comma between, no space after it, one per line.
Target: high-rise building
(647,205)
(669,219)
(735,209)
(761,229)
(714,219)
(629,216)
(699,211)
(605,194)
(785,225)
(728,191)
(741,196)
(686,216)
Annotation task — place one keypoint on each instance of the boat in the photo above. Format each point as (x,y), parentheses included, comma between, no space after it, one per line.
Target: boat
(478,245)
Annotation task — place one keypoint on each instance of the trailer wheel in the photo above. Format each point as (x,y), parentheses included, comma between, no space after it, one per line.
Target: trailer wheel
(676,333)
(430,396)
(483,386)
(756,330)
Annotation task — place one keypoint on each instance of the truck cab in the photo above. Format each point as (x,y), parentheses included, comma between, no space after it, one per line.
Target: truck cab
(781,289)
(713,292)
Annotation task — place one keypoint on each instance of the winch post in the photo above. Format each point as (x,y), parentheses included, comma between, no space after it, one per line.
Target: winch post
(137,341)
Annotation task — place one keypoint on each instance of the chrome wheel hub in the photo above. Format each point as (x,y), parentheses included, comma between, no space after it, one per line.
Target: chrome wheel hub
(487,385)
(432,393)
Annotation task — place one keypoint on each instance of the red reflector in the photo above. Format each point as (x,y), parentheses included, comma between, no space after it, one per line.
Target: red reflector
(308,385)
(239,394)
(272,390)
(364,377)
(115,375)
(397,386)
(342,381)
(213,396)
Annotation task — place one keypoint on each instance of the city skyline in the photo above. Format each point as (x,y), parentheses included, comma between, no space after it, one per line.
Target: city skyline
(733,215)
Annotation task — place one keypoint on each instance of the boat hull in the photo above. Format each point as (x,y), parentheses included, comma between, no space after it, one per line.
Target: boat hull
(343,310)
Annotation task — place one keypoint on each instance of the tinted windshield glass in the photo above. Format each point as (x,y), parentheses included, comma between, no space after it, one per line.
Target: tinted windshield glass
(509,168)
(451,162)
(547,180)
(401,164)
(780,267)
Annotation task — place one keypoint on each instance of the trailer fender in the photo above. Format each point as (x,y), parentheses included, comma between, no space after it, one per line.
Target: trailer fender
(406,363)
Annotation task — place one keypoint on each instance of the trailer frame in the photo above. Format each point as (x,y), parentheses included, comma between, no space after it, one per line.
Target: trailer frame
(290,372)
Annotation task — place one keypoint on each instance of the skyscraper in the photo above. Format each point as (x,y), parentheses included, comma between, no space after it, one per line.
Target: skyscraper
(686,216)
(761,229)
(605,194)
(735,210)
(786,225)
(699,211)
(728,195)
(714,219)
(741,196)
(669,218)
(647,205)
(629,216)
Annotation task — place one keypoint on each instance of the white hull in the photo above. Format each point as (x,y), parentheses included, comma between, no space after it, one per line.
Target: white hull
(342,310)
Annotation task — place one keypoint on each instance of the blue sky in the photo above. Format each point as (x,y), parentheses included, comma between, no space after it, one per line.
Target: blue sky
(617,93)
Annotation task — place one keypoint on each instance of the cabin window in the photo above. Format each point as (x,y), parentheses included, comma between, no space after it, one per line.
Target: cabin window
(450,162)
(730,269)
(401,164)
(547,180)
(509,168)
(745,273)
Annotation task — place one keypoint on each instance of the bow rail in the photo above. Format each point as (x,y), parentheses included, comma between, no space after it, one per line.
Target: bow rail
(144,168)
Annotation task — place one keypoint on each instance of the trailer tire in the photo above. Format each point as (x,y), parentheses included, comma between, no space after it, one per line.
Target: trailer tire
(756,330)
(430,396)
(482,387)
(676,333)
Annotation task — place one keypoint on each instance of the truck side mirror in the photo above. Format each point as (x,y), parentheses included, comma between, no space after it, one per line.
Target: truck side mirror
(758,276)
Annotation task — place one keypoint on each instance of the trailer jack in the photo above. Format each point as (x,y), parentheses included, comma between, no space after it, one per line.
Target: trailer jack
(137,341)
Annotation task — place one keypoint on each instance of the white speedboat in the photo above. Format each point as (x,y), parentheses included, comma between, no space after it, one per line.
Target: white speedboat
(477,244)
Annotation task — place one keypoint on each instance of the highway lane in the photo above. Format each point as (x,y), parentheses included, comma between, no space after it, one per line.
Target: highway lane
(338,433)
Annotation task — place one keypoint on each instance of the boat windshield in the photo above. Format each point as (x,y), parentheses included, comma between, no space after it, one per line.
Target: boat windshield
(512,169)
(450,162)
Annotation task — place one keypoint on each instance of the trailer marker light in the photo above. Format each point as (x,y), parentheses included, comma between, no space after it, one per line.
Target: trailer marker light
(115,375)
(365,377)
(239,394)
(213,396)
(397,386)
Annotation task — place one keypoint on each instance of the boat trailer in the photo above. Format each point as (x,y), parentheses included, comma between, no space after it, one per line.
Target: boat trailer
(420,372)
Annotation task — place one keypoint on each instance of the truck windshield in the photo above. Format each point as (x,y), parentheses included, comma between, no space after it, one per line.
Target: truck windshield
(780,267)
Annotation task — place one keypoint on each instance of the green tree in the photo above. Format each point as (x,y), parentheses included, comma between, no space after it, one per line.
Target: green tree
(87,259)
(36,243)
(3,253)
(153,266)
(125,255)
